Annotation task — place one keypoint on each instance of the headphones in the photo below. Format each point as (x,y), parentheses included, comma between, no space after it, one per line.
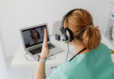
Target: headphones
(68,35)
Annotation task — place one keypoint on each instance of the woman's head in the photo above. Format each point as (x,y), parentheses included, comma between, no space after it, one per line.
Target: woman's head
(80,22)
(34,34)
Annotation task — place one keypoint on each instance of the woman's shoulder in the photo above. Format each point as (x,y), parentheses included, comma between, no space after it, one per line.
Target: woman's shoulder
(40,40)
(102,48)
(71,68)
(102,45)
(68,66)
(65,65)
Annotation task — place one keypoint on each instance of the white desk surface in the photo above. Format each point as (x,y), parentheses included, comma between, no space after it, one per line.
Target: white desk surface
(20,61)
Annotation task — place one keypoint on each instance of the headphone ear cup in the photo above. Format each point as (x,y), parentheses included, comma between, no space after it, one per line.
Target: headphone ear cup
(62,30)
(69,35)
(64,33)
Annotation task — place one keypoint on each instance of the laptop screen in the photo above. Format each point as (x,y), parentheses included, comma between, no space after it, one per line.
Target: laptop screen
(33,36)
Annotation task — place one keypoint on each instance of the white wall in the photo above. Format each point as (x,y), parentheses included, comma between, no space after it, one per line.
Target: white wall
(3,69)
(16,14)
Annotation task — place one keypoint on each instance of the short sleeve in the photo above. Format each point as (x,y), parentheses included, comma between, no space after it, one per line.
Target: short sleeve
(57,74)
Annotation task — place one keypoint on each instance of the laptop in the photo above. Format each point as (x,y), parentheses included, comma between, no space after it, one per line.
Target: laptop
(32,39)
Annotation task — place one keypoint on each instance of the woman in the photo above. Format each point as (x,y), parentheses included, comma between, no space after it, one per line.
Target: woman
(92,63)
(35,36)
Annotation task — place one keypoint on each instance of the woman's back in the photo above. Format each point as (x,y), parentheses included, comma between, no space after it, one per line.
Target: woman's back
(97,64)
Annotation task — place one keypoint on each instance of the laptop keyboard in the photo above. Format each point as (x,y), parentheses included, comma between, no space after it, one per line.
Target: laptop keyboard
(38,50)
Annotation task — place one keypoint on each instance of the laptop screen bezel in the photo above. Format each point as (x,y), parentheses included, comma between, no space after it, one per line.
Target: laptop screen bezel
(28,28)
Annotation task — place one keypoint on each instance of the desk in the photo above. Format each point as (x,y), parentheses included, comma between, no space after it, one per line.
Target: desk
(20,61)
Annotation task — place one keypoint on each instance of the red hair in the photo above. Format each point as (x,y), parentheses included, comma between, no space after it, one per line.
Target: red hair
(80,22)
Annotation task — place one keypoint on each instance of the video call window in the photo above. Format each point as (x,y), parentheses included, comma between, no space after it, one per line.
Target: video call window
(34,36)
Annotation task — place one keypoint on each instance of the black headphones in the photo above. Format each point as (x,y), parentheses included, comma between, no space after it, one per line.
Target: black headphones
(68,35)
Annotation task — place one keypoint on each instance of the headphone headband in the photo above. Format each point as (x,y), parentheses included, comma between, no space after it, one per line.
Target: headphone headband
(67,32)
(67,15)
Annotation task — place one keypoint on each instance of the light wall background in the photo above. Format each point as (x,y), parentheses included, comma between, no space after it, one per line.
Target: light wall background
(3,68)
(16,14)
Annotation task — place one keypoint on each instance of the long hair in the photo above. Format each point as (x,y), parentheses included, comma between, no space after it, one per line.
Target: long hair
(80,22)
(38,35)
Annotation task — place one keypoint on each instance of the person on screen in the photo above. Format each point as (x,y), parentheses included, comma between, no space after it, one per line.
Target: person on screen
(35,37)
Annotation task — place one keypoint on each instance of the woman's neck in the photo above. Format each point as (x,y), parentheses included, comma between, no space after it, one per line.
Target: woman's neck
(79,47)
(36,38)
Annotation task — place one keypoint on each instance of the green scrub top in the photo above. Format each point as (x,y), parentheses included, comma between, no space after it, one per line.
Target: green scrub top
(97,64)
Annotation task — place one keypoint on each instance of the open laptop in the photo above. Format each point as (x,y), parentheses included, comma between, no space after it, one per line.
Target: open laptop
(32,38)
